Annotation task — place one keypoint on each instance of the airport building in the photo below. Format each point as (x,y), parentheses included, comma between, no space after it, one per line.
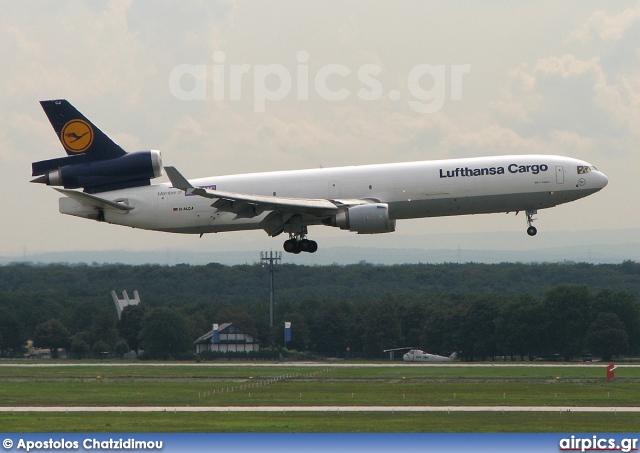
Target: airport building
(226,337)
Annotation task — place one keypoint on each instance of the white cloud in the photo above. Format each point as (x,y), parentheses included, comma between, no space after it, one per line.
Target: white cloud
(565,66)
(607,27)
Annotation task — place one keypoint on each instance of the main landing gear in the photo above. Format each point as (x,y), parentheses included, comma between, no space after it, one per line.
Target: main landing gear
(531,231)
(299,243)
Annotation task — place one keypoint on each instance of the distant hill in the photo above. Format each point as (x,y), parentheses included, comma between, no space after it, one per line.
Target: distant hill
(596,247)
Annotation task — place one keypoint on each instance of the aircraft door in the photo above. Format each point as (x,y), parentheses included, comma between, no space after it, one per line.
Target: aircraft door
(560,174)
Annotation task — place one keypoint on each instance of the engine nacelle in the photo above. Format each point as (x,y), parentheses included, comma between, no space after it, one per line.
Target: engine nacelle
(110,174)
(365,219)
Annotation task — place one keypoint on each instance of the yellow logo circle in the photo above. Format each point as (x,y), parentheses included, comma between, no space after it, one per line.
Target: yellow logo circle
(77,136)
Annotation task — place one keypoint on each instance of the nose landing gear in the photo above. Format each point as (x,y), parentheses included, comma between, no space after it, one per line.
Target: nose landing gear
(531,231)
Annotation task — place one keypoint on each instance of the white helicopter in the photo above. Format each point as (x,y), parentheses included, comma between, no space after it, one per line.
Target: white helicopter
(417,355)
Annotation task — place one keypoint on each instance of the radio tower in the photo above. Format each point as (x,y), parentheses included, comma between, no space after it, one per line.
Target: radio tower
(270,259)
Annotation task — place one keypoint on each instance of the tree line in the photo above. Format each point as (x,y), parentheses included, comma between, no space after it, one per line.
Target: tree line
(481,311)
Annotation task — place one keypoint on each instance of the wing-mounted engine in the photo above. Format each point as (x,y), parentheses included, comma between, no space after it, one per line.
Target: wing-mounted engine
(370,218)
(72,172)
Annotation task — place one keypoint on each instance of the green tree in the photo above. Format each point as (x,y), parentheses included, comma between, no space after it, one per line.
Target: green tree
(518,327)
(121,348)
(412,319)
(381,328)
(12,334)
(51,335)
(441,329)
(477,327)
(130,325)
(100,349)
(607,336)
(79,348)
(330,329)
(566,315)
(165,334)
(198,325)
(103,326)
(627,307)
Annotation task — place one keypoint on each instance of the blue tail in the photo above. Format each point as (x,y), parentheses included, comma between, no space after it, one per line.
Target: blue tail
(78,135)
(94,161)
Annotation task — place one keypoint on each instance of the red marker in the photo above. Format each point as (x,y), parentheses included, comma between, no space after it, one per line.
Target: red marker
(610,369)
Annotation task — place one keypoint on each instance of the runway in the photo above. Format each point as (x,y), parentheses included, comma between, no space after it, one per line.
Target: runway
(336,409)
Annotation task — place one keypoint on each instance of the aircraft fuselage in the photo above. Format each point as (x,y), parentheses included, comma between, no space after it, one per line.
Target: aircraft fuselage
(411,190)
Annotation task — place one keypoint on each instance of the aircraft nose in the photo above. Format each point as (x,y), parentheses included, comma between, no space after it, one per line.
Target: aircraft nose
(601,180)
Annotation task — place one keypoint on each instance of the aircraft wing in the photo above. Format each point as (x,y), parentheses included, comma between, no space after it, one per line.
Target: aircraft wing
(96,202)
(247,205)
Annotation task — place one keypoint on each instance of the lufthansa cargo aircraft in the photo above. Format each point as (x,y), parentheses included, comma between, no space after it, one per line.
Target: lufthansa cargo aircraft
(116,188)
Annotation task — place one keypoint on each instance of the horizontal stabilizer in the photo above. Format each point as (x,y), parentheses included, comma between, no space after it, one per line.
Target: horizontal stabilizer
(96,202)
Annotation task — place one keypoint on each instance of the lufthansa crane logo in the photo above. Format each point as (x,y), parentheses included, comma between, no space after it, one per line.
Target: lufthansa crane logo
(77,136)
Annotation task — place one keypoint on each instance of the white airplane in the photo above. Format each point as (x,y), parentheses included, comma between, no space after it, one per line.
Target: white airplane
(364,199)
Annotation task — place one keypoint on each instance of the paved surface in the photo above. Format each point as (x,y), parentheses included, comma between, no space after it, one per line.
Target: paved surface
(316,409)
(316,364)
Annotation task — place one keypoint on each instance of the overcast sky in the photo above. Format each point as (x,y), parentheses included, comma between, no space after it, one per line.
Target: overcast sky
(326,83)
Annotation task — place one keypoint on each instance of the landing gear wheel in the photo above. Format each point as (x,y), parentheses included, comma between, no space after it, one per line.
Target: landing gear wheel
(531,231)
(304,245)
(291,246)
(296,246)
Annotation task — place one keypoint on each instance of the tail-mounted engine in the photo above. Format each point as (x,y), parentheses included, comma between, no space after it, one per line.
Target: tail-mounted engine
(130,170)
(365,219)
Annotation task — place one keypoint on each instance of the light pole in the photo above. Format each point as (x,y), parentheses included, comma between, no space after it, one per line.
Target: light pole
(272,259)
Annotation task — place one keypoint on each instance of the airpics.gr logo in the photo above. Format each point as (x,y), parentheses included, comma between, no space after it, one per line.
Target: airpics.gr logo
(77,136)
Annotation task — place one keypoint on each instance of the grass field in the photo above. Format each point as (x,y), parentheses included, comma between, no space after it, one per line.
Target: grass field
(235,385)
(320,422)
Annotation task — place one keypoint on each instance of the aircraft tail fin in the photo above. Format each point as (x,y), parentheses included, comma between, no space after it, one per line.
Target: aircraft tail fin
(80,138)
(454,355)
(94,161)
(78,135)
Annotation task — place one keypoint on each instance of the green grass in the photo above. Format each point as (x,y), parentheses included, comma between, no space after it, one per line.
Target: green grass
(449,386)
(137,371)
(315,393)
(316,422)
(355,371)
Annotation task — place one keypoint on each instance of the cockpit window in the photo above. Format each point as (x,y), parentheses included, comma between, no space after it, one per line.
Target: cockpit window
(583,169)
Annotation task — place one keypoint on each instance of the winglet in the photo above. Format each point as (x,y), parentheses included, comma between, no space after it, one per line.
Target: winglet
(177,180)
